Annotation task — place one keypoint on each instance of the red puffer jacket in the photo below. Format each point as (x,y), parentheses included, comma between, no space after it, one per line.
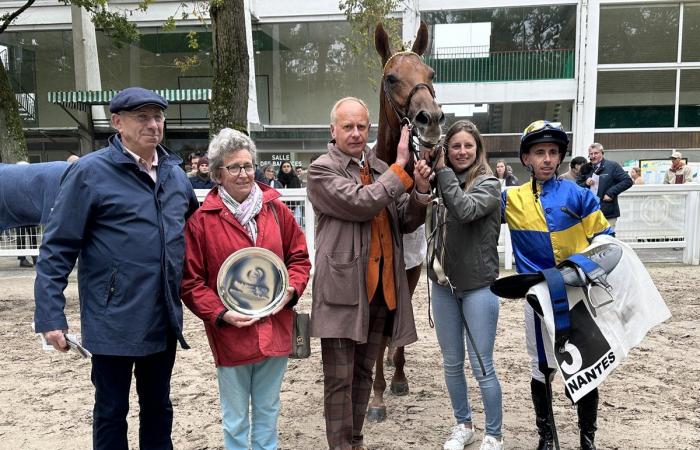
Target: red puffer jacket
(211,235)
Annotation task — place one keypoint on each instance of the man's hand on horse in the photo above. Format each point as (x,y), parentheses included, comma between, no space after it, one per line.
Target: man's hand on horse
(402,151)
(422,174)
(57,339)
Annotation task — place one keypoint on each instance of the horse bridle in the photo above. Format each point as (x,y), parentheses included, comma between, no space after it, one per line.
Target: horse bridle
(402,112)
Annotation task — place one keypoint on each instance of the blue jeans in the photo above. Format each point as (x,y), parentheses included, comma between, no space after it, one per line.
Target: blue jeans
(480,308)
(258,384)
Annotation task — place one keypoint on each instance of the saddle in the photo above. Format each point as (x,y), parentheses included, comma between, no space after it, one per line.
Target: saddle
(587,270)
(605,256)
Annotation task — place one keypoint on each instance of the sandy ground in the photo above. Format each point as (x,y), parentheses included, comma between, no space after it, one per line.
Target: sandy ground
(651,402)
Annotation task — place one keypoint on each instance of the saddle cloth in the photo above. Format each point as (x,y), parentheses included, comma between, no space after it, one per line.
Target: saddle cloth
(605,323)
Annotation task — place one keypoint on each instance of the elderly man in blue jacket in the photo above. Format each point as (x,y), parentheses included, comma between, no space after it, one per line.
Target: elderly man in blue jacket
(606,179)
(121,211)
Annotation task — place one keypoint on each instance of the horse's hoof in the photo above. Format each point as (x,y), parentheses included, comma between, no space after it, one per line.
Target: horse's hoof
(376,414)
(399,388)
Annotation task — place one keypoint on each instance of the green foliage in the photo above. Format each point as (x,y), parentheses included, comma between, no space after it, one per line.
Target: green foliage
(192,41)
(363,17)
(198,10)
(169,24)
(116,26)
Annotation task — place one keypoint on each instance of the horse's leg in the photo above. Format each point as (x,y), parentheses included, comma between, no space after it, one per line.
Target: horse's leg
(376,412)
(399,382)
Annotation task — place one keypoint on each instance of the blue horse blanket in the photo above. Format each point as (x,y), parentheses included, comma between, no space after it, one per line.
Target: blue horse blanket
(28,192)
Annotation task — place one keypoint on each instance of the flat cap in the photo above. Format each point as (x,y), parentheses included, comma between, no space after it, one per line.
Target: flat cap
(133,98)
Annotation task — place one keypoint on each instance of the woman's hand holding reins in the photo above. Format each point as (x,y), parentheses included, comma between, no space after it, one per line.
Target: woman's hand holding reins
(422,173)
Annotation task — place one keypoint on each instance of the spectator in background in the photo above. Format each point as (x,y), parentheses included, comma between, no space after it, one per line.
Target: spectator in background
(194,160)
(503,176)
(287,177)
(636,175)
(72,158)
(574,169)
(606,179)
(202,180)
(509,171)
(301,175)
(679,173)
(270,179)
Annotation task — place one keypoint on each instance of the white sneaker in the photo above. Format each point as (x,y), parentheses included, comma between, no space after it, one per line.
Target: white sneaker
(491,443)
(460,437)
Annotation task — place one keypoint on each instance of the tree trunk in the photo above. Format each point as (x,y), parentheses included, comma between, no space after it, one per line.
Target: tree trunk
(229,104)
(13,145)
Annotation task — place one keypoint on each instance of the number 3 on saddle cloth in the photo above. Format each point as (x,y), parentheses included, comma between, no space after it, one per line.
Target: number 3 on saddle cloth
(595,307)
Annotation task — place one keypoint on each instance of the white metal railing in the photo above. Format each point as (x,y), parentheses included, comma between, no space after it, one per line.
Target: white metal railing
(652,217)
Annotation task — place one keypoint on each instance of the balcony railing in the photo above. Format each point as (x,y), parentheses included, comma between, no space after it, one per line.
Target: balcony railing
(25,100)
(470,65)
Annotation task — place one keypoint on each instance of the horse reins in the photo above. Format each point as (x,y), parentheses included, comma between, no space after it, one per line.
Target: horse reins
(401,113)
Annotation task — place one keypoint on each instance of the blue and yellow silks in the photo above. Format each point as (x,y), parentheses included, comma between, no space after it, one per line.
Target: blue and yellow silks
(547,228)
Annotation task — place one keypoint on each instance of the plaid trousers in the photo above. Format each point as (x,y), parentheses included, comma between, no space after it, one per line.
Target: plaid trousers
(347,380)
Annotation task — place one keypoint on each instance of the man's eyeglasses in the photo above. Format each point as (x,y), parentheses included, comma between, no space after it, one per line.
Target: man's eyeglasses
(541,125)
(145,118)
(236,170)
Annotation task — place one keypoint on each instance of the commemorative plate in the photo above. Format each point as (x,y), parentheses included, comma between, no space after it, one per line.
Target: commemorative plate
(252,282)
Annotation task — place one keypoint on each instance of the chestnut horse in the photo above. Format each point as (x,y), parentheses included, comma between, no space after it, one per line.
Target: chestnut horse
(406,96)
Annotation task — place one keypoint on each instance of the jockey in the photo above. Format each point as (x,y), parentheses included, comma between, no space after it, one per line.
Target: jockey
(549,220)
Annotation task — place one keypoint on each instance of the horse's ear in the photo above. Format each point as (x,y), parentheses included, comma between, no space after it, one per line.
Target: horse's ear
(421,43)
(381,43)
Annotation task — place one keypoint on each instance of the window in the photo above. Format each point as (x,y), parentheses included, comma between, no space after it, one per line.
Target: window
(689,99)
(635,99)
(638,34)
(512,28)
(690,50)
(508,117)
(307,67)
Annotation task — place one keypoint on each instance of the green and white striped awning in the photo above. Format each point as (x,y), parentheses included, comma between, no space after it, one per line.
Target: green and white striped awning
(82,100)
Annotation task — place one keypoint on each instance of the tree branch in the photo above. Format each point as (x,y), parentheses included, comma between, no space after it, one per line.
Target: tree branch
(8,19)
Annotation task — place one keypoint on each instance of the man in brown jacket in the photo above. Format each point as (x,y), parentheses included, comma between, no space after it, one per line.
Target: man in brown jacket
(362,206)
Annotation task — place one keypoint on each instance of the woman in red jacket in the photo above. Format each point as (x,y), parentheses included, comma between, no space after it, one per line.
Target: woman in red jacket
(250,353)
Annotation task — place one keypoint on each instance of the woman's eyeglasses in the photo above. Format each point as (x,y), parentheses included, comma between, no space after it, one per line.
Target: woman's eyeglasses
(236,170)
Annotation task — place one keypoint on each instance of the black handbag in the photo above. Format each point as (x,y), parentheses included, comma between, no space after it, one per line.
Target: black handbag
(301,341)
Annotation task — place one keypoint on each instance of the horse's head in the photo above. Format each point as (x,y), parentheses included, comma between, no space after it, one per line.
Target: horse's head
(407,87)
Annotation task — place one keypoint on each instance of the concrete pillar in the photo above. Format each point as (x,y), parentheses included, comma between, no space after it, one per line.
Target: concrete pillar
(253,117)
(276,116)
(410,21)
(587,70)
(87,73)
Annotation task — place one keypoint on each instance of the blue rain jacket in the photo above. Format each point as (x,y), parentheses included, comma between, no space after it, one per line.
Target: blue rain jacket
(127,234)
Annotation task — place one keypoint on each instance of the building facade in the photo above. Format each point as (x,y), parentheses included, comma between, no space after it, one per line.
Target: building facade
(622,73)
